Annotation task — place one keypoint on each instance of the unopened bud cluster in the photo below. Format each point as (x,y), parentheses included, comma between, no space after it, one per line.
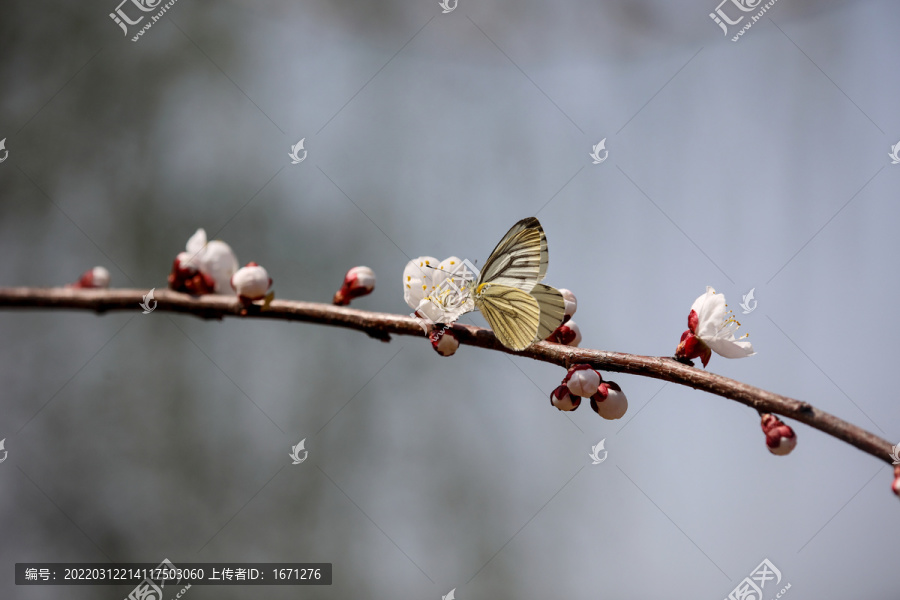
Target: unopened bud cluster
(581,381)
(211,267)
(204,267)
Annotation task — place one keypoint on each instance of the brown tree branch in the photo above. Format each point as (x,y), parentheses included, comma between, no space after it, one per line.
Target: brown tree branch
(382,325)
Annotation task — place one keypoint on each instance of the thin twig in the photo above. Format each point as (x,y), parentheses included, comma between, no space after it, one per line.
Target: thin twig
(382,325)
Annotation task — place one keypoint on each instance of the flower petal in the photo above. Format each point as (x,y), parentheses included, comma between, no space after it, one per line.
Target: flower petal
(698,303)
(429,310)
(219,261)
(417,280)
(711,315)
(196,242)
(454,308)
(730,348)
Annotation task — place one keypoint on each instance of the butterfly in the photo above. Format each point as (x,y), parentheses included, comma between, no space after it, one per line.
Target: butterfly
(509,293)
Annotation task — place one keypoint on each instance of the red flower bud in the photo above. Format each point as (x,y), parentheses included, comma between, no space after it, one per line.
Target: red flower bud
(780,438)
(609,402)
(444,341)
(568,334)
(251,282)
(571,303)
(563,399)
(358,281)
(582,380)
(895,487)
(95,278)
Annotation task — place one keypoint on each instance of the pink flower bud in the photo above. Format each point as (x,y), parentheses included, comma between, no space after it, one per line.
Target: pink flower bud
(582,380)
(568,334)
(780,438)
(444,342)
(571,303)
(98,277)
(895,487)
(609,402)
(563,399)
(251,282)
(358,281)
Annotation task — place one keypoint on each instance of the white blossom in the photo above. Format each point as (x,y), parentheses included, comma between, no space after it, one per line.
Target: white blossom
(716,328)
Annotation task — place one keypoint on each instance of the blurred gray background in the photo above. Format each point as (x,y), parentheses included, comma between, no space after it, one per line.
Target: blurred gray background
(761,164)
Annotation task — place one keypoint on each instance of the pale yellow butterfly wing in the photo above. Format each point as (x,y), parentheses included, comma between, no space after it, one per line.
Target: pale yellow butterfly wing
(545,254)
(520,258)
(514,315)
(553,309)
